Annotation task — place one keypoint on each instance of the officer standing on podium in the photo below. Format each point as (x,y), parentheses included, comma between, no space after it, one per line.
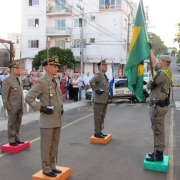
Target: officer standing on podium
(159,101)
(12,96)
(47,89)
(100,85)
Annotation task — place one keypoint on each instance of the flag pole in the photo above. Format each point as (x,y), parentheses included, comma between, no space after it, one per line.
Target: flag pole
(152,72)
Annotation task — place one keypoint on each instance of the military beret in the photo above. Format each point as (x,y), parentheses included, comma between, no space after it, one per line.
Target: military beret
(165,58)
(14,64)
(102,62)
(51,61)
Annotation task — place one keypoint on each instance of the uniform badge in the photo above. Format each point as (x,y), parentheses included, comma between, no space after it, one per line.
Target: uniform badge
(38,83)
(104,83)
(33,103)
(51,94)
(15,88)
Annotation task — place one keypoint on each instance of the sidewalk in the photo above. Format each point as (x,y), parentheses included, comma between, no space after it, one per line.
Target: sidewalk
(34,116)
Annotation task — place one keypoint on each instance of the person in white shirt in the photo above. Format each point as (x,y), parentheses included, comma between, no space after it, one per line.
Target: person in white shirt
(86,81)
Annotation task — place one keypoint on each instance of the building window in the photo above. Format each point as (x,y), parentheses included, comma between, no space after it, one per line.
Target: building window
(60,43)
(109,4)
(77,67)
(92,40)
(77,43)
(33,44)
(33,2)
(78,22)
(93,18)
(60,25)
(33,22)
(125,24)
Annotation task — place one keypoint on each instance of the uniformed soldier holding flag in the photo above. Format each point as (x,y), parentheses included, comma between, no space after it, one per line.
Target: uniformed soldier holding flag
(47,89)
(159,101)
(12,96)
(100,85)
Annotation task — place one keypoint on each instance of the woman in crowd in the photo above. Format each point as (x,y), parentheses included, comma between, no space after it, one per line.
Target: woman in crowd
(75,82)
(63,85)
(33,78)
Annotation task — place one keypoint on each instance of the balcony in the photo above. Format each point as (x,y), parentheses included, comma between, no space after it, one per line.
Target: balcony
(57,31)
(57,10)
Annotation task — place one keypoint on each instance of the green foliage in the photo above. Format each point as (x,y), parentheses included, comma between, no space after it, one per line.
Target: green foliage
(65,57)
(157,44)
(178,60)
(177,36)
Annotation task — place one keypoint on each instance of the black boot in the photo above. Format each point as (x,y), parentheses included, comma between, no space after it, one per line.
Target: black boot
(158,156)
(151,154)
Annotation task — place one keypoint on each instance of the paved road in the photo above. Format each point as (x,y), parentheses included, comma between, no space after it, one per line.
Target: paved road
(121,159)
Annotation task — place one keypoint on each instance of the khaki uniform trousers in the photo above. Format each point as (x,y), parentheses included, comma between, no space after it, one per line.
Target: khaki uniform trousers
(159,120)
(14,124)
(49,147)
(99,116)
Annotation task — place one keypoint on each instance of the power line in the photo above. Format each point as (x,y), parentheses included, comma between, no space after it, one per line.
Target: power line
(100,13)
(86,21)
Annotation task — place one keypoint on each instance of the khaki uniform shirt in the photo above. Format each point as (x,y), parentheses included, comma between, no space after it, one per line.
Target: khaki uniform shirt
(49,94)
(12,93)
(159,92)
(100,81)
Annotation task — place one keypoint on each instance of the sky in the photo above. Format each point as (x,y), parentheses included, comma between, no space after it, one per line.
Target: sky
(164,15)
(10,17)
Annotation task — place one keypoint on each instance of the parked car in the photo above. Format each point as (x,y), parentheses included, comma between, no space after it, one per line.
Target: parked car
(121,91)
(146,77)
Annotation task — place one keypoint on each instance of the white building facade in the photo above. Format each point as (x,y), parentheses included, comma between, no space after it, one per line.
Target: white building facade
(106,30)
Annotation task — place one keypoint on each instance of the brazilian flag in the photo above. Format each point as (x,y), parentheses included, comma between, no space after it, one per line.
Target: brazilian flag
(138,51)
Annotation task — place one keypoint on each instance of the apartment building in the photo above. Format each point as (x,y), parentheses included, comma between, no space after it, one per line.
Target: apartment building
(15,38)
(107,28)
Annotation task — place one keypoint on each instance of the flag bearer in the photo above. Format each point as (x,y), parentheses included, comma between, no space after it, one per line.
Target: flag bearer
(160,87)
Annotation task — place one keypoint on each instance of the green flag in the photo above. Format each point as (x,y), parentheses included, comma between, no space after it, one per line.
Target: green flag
(138,51)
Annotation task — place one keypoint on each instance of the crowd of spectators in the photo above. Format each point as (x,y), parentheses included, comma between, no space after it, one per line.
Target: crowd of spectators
(70,86)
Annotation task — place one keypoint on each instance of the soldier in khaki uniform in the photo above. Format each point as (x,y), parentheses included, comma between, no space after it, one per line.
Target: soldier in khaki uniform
(159,102)
(100,85)
(47,89)
(12,95)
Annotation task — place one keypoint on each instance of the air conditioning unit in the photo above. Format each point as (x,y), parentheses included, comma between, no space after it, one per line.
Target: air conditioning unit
(67,39)
(48,39)
(78,58)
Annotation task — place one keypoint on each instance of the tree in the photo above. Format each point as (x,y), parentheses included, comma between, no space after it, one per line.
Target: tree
(174,51)
(65,57)
(157,44)
(177,38)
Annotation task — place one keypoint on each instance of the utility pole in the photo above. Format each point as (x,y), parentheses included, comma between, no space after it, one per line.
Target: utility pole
(82,39)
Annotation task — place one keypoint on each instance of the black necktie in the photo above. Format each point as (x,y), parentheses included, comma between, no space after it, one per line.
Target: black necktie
(106,77)
(18,81)
(54,82)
